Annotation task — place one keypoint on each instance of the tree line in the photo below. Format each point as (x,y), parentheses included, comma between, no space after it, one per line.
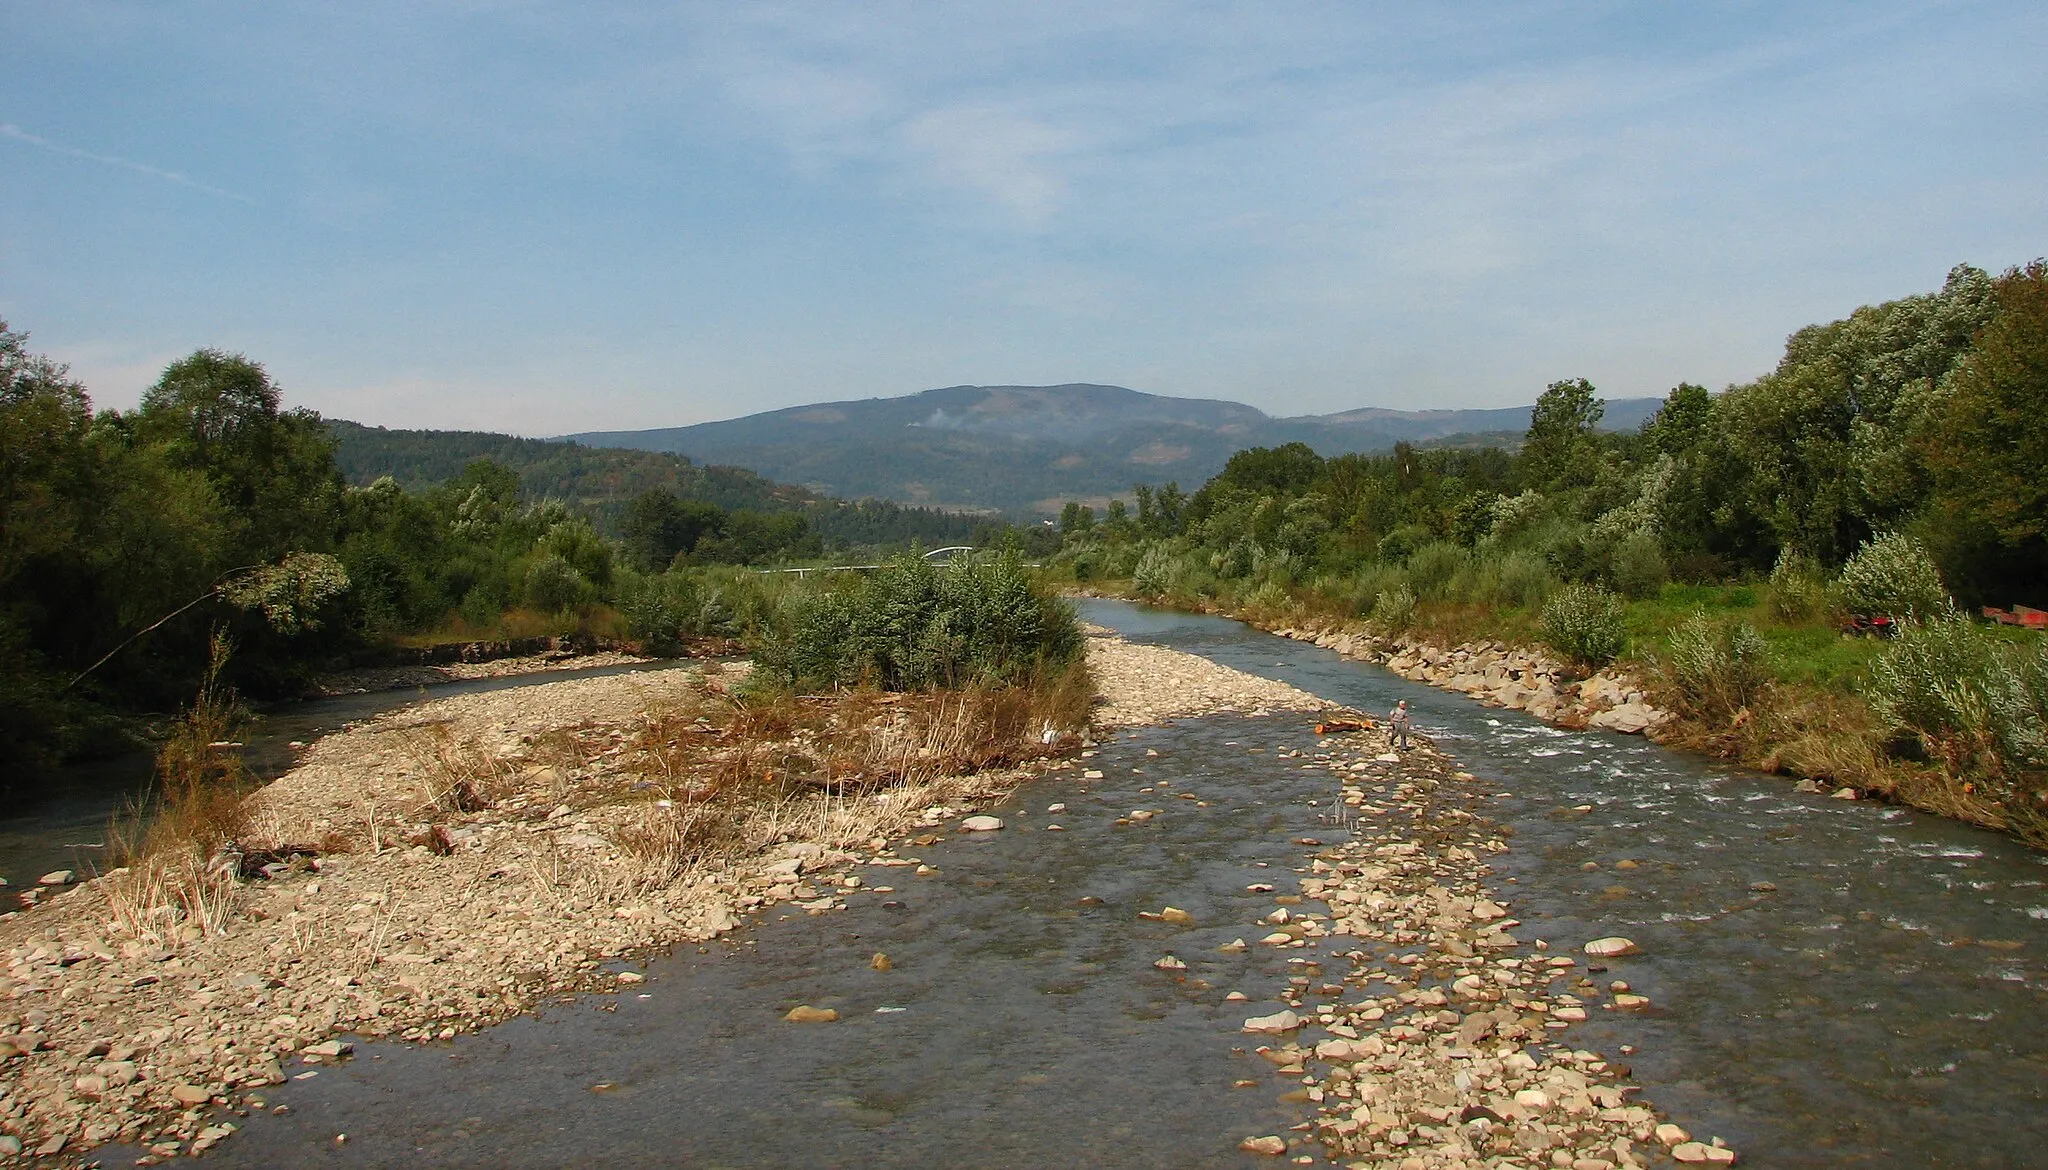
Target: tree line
(130,539)
(1926,416)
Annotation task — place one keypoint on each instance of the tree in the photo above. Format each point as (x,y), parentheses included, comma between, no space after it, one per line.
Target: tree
(1559,450)
(1680,424)
(273,470)
(1988,444)
(1076,519)
(1286,470)
(658,525)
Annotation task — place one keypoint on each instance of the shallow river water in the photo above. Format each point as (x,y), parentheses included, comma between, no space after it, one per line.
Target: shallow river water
(1882,1006)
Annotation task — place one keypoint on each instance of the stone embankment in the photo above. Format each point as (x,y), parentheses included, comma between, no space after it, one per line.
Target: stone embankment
(1426,1032)
(1517,678)
(458,862)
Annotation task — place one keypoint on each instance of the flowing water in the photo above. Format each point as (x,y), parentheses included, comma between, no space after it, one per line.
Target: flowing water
(1880,1005)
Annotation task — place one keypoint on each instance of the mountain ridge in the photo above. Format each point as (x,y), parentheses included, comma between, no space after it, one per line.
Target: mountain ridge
(1023,449)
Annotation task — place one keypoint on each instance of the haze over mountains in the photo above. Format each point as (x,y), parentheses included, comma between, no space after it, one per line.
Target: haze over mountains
(1025,449)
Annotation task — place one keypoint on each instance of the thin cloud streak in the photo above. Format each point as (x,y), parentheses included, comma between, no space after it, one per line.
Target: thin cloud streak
(10,130)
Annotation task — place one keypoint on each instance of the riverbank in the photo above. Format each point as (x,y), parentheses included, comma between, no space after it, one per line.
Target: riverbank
(454,864)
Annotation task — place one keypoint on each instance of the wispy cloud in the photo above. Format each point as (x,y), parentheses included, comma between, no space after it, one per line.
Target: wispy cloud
(10,130)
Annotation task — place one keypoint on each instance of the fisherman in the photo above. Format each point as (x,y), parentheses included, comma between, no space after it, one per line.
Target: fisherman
(1398,724)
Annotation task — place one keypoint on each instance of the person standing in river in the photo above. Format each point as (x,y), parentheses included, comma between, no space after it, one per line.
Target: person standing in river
(1398,724)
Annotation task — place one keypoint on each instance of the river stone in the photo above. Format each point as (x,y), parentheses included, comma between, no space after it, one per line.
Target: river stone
(1670,1135)
(1264,1145)
(190,1095)
(982,824)
(57,877)
(1169,963)
(1275,1024)
(806,1014)
(1177,916)
(1690,1152)
(1612,948)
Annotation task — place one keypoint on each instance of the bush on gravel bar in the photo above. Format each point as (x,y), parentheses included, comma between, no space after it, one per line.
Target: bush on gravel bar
(914,626)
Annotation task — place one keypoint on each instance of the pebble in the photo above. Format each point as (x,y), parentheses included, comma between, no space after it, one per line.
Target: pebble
(1276,1024)
(58,877)
(806,1014)
(1270,1144)
(1612,948)
(982,824)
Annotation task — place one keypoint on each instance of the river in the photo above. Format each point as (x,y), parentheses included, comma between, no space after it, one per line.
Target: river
(1835,983)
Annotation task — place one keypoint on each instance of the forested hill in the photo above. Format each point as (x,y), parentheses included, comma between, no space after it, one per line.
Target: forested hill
(552,468)
(1026,449)
(602,481)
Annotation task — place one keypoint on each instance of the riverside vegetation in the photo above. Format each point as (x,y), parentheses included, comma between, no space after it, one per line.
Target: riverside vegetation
(1721,559)
(128,538)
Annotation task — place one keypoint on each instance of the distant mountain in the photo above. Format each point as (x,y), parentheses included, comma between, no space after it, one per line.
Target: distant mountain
(1025,449)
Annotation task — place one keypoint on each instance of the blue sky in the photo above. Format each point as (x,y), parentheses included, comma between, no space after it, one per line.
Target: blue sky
(546,218)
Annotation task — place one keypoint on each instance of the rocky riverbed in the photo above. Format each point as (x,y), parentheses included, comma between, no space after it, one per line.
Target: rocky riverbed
(1428,1035)
(437,870)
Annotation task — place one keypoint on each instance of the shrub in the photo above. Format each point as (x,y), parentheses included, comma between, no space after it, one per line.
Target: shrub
(1433,566)
(1087,563)
(1718,668)
(1976,701)
(912,626)
(1639,570)
(1584,623)
(1524,581)
(1402,542)
(1799,590)
(1392,609)
(553,585)
(1893,576)
(1154,575)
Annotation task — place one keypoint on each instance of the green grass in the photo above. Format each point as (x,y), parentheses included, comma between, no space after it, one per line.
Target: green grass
(1809,653)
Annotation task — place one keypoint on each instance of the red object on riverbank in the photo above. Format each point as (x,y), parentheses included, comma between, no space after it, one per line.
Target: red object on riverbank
(2021,615)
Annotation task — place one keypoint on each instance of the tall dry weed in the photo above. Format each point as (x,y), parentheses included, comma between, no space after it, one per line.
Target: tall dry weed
(176,846)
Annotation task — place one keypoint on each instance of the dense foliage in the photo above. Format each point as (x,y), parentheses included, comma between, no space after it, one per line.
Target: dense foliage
(914,626)
(130,539)
(1918,424)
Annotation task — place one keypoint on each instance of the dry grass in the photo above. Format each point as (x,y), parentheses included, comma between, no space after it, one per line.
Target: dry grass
(839,770)
(177,878)
(456,777)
